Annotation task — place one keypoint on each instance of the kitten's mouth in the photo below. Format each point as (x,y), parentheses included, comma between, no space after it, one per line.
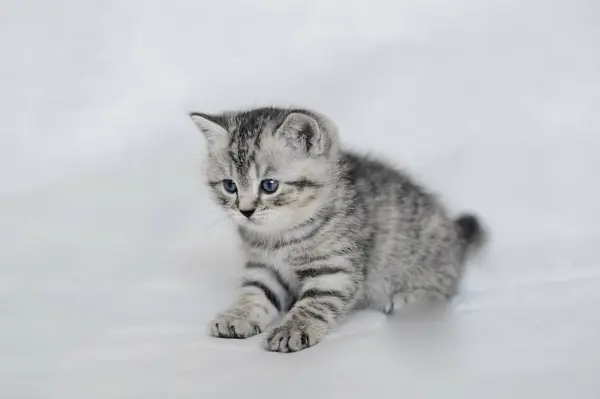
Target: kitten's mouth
(257,223)
(251,221)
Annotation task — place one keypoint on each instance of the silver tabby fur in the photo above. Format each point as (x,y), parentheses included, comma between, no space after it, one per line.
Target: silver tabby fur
(342,231)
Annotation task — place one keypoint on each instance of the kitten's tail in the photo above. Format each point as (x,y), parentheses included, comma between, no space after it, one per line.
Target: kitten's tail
(471,233)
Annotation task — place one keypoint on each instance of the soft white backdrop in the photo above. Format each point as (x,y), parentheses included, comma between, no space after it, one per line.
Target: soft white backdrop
(112,258)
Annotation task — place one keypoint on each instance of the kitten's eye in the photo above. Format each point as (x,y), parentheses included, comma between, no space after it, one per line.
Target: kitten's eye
(269,186)
(229,186)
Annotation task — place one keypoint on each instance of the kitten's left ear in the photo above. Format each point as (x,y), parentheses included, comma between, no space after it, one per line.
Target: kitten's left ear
(303,132)
(212,126)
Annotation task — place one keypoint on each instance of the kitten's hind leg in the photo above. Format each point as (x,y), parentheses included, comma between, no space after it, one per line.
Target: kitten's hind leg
(405,298)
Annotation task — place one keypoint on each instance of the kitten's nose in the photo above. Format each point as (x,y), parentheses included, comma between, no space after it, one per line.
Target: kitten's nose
(247,212)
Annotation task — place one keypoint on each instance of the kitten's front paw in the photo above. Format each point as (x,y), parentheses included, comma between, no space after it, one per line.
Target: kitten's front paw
(294,335)
(233,326)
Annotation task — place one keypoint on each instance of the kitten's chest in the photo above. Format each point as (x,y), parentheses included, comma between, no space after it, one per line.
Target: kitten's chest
(280,260)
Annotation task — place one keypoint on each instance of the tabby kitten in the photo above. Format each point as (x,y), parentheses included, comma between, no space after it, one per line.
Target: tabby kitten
(325,231)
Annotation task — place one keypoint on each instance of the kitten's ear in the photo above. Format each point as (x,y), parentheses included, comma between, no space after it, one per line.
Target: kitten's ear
(212,126)
(302,132)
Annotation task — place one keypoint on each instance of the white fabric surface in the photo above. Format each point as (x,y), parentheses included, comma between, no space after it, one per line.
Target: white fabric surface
(113,259)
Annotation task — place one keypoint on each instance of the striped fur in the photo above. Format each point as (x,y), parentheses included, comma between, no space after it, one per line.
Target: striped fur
(342,232)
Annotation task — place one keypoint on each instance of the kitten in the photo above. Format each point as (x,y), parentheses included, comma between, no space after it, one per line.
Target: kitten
(325,231)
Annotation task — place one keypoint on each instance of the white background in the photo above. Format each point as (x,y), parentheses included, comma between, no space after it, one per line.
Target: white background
(113,259)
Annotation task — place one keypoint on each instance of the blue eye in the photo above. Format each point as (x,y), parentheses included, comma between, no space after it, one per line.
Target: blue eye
(229,186)
(269,186)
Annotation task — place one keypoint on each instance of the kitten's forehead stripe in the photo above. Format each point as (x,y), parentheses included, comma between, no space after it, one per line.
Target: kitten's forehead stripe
(257,169)
(246,130)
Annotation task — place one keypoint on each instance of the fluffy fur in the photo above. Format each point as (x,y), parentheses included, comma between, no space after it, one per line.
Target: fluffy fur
(341,232)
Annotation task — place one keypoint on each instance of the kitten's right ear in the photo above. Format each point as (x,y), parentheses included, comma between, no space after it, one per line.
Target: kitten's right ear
(212,126)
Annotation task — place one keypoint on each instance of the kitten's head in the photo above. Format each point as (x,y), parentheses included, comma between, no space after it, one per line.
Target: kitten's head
(270,168)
